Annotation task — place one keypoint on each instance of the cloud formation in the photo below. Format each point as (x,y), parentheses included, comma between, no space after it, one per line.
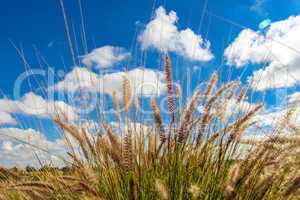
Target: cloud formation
(34,105)
(78,78)
(144,82)
(162,33)
(104,57)
(6,118)
(12,149)
(277,48)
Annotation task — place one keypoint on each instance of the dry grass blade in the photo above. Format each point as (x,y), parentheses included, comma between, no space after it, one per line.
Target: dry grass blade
(158,120)
(40,185)
(88,188)
(35,195)
(7,174)
(105,150)
(231,182)
(112,136)
(242,94)
(136,103)
(218,94)
(211,84)
(207,115)
(178,91)
(186,117)
(240,124)
(80,137)
(126,94)
(87,138)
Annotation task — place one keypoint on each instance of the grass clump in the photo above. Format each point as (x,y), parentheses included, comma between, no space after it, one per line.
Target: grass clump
(190,156)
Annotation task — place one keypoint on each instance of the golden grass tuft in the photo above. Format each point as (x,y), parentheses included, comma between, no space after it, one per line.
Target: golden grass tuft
(203,159)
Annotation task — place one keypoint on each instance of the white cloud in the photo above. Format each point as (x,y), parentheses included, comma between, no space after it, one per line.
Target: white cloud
(162,33)
(16,153)
(77,79)
(32,104)
(143,82)
(6,118)
(248,48)
(104,57)
(278,48)
(146,82)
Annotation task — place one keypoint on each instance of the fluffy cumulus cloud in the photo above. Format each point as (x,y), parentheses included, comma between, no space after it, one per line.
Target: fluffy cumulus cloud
(143,82)
(34,105)
(19,147)
(104,57)
(162,33)
(277,48)
(77,79)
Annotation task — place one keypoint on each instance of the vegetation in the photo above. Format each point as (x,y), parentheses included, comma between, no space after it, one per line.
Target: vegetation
(191,156)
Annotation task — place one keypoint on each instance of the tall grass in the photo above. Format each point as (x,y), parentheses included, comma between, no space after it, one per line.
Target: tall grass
(192,156)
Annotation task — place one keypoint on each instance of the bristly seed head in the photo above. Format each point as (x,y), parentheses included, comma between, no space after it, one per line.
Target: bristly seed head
(170,92)
(126,94)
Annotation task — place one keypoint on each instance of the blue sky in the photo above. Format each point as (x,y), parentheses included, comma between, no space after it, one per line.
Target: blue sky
(37,27)
(40,24)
